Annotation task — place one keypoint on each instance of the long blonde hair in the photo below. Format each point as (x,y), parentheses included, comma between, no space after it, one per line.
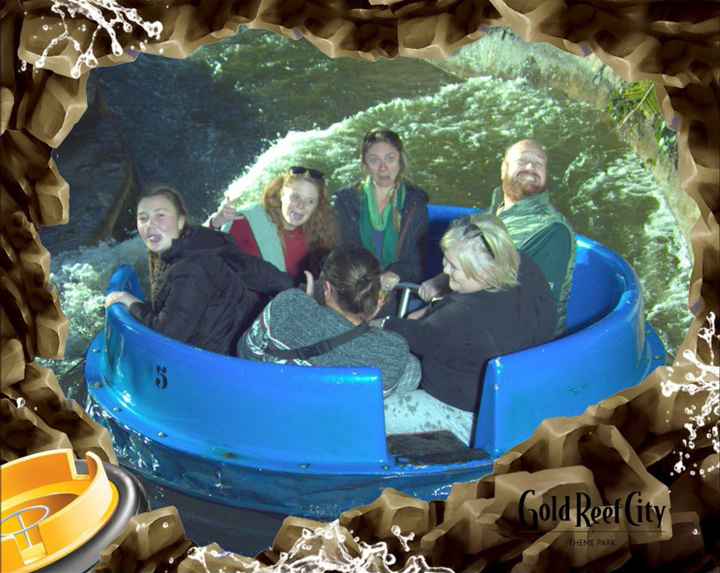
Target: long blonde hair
(485,250)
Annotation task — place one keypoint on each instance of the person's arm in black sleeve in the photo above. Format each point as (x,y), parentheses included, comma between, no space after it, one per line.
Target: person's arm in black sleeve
(414,249)
(551,249)
(348,223)
(188,297)
(261,276)
(438,333)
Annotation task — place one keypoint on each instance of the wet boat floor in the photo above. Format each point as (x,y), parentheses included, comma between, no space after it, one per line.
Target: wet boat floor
(432,448)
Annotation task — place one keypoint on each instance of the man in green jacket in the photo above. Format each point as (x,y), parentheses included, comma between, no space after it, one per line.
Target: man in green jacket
(535,225)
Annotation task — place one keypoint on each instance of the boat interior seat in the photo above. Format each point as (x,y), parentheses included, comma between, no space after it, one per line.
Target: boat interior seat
(431,448)
(605,351)
(223,407)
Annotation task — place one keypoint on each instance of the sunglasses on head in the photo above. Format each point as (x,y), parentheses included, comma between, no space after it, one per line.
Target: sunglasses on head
(472,231)
(381,134)
(314,173)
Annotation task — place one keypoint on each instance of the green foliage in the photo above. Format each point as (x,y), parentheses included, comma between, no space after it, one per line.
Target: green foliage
(635,97)
(637,102)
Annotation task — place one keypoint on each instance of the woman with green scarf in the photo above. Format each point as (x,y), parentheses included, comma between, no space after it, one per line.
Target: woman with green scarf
(385,213)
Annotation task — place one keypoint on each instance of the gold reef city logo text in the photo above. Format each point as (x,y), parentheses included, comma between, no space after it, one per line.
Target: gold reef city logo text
(581,511)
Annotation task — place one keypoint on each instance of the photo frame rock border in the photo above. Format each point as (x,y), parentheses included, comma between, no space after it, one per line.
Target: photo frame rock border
(672,44)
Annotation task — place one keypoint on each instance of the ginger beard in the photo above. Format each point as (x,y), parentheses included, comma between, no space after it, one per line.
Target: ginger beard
(522,184)
(524,171)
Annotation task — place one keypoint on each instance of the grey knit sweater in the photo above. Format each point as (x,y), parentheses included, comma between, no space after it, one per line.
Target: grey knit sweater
(294,320)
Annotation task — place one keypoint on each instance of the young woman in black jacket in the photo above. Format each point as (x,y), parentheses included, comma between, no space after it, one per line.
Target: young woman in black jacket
(199,278)
(385,212)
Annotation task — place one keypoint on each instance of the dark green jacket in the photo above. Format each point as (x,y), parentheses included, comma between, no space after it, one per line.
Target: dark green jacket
(540,230)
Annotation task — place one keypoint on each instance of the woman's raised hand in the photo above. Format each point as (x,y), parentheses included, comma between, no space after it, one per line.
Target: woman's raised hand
(225,213)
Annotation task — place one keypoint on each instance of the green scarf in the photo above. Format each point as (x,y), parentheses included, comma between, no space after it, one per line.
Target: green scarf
(371,219)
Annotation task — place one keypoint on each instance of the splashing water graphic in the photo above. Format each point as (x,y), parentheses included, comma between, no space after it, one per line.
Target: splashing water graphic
(106,14)
(395,530)
(706,379)
(325,549)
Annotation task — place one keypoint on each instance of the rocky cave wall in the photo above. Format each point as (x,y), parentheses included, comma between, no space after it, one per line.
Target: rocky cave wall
(676,45)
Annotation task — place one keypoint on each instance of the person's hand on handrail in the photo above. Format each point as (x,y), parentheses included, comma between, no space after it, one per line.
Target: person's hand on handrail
(434,287)
(417,314)
(122,297)
(388,281)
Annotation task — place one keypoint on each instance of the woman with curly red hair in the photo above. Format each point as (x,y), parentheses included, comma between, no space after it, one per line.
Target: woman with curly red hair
(293,227)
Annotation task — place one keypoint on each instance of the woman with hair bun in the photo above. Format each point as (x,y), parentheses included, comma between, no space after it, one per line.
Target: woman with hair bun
(293,227)
(327,324)
(499,303)
(199,278)
(385,212)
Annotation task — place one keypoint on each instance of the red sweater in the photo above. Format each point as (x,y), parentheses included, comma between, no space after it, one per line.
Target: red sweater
(295,251)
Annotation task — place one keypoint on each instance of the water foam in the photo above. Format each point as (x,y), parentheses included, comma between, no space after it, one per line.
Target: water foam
(462,116)
(82,276)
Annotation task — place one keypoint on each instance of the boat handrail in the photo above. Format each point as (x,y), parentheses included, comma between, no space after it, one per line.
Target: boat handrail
(407,289)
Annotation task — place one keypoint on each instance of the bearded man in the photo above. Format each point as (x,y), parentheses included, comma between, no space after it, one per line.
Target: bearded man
(535,225)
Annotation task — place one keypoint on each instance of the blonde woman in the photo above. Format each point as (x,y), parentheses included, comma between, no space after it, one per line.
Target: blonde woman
(499,302)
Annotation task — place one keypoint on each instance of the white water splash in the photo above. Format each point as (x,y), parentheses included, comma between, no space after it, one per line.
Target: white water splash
(81,277)
(372,558)
(395,530)
(106,14)
(705,379)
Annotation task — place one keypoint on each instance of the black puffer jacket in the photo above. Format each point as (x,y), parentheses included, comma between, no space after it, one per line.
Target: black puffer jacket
(203,297)
(410,264)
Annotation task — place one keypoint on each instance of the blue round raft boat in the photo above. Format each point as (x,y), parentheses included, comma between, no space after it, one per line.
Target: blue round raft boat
(311,441)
